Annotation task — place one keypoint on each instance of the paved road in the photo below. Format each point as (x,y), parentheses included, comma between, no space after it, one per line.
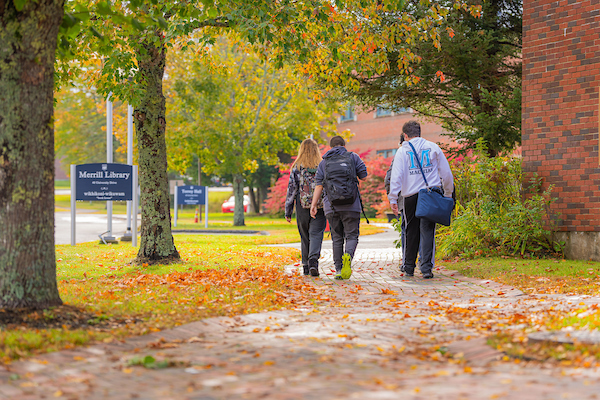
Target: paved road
(379,335)
(89,226)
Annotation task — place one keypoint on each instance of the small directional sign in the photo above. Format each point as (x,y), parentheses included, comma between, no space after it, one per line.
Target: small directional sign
(191,194)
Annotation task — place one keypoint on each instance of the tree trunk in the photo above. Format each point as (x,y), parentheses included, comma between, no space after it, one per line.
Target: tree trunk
(156,244)
(27,53)
(255,203)
(238,192)
(263,192)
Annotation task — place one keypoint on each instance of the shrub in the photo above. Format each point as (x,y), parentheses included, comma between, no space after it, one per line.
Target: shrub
(275,202)
(372,189)
(494,213)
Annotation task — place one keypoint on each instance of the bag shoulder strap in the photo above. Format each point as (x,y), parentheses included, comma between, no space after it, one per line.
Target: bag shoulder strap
(362,208)
(419,163)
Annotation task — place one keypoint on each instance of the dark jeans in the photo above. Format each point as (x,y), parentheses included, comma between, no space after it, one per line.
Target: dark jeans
(402,218)
(344,226)
(311,233)
(420,238)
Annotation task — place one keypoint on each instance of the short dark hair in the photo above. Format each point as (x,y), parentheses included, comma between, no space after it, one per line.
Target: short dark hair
(337,141)
(412,129)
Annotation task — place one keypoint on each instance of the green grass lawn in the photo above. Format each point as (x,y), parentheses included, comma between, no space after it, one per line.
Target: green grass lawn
(62,184)
(546,275)
(280,231)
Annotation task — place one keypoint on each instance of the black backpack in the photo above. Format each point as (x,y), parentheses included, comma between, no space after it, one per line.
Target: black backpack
(340,180)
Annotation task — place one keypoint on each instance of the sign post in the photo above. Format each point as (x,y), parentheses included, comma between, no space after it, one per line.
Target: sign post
(176,203)
(73,203)
(192,194)
(109,159)
(135,206)
(127,236)
(102,182)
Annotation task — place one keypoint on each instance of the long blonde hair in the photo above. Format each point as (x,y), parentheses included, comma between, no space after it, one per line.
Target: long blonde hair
(308,154)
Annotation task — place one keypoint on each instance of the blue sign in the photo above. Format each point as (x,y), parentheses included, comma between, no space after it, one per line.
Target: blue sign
(102,182)
(191,194)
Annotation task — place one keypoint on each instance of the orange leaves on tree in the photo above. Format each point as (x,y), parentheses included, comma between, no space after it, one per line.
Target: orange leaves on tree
(441,75)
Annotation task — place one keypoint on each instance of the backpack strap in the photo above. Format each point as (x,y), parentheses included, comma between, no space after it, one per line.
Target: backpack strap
(419,164)
(362,208)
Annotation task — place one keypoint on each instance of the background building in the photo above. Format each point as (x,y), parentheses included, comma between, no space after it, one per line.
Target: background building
(379,131)
(561,76)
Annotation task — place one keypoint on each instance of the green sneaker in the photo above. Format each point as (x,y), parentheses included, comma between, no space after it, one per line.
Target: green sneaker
(338,276)
(346,270)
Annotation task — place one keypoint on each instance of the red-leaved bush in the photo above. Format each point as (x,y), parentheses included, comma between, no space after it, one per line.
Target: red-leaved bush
(275,202)
(372,189)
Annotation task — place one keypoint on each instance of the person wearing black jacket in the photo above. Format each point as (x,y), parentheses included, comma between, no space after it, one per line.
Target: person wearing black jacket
(344,219)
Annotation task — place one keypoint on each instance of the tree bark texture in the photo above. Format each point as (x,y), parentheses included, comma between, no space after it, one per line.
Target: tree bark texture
(263,191)
(156,244)
(253,199)
(238,192)
(28,41)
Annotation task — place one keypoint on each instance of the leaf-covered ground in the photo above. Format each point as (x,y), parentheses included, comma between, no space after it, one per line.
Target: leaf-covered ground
(379,335)
(563,281)
(107,298)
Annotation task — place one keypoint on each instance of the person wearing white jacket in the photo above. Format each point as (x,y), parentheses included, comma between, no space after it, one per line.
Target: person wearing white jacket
(407,178)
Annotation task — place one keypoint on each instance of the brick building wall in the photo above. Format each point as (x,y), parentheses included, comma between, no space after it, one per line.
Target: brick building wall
(381,134)
(561,77)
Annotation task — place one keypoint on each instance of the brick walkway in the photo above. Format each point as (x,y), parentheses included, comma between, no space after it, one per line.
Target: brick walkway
(378,335)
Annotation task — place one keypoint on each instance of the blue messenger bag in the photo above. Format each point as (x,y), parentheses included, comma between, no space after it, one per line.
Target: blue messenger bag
(431,203)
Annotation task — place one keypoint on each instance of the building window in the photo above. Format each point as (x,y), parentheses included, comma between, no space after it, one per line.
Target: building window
(387,153)
(382,112)
(348,115)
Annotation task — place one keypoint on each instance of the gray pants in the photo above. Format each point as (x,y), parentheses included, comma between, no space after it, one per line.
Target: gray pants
(344,226)
(311,234)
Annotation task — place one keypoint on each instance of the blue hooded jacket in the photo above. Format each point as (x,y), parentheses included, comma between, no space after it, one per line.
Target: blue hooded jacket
(361,172)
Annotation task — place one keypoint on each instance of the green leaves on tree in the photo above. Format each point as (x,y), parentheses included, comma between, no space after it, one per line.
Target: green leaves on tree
(20,4)
(103,8)
(137,24)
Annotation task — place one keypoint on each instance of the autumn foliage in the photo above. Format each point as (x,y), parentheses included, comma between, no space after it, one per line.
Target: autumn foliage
(372,189)
(275,203)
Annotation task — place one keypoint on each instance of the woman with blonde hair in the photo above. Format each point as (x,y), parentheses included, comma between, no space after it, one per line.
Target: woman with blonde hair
(300,192)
